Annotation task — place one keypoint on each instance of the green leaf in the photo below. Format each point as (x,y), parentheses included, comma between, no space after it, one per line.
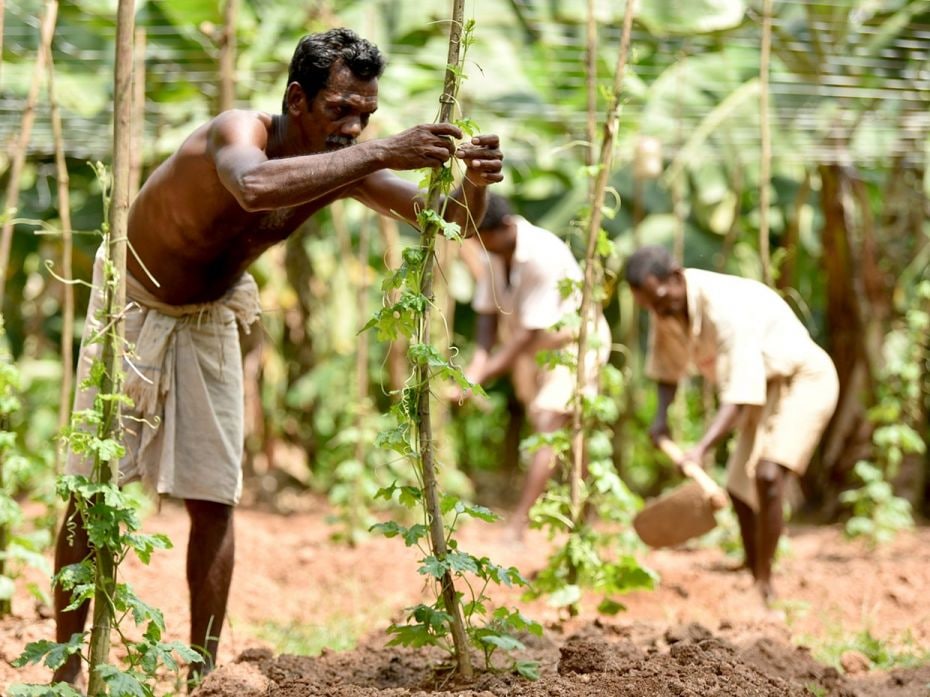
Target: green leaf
(460,562)
(52,654)
(565,596)
(503,641)
(415,533)
(60,689)
(121,683)
(608,606)
(528,669)
(7,587)
(434,567)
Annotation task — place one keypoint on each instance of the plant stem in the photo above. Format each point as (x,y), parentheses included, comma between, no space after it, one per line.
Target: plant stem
(424,424)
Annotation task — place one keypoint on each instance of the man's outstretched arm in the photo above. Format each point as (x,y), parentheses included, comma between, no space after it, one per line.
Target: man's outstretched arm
(237,142)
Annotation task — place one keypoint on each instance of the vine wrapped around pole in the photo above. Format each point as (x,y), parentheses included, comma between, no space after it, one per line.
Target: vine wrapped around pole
(422,336)
(594,227)
(114,302)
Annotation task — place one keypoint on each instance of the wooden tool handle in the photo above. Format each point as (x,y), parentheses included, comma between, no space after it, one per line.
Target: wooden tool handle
(713,491)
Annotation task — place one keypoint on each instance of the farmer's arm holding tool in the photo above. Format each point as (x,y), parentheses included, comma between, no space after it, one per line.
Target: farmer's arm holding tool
(773,382)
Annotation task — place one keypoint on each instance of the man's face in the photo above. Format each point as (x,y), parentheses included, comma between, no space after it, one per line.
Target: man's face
(666,298)
(501,240)
(340,111)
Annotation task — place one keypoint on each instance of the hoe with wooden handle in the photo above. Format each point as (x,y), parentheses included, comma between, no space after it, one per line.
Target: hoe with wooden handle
(685,512)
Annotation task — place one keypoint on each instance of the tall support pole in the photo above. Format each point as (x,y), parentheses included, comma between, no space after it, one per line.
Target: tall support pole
(424,418)
(594,229)
(21,146)
(765,164)
(114,302)
(64,214)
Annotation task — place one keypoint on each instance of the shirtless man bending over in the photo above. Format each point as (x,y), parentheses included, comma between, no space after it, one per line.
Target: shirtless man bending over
(239,184)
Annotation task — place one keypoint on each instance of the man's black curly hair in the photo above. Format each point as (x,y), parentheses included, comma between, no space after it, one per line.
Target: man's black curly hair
(648,261)
(316,53)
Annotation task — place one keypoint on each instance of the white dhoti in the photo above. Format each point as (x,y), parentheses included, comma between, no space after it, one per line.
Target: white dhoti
(183,372)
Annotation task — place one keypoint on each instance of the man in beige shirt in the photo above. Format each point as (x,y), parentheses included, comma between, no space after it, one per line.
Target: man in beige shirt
(520,306)
(774,384)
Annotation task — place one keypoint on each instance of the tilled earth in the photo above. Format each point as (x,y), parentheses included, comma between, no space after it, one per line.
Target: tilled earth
(703,631)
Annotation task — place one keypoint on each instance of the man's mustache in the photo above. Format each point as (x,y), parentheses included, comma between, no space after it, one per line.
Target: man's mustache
(339,142)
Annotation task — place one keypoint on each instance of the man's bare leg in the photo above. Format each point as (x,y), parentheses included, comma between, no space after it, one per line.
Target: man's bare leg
(747,531)
(541,469)
(69,549)
(210,557)
(770,486)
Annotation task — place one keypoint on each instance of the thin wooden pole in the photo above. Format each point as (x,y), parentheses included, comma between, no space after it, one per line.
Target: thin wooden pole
(765,165)
(21,146)
(591,85)
(114,302)
(228,56)
(64,214)
(594,228)
(424,425)
(138,114)
(2,12)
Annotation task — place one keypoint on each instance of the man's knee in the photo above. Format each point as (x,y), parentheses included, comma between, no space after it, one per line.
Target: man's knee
(769,478)
(208,512)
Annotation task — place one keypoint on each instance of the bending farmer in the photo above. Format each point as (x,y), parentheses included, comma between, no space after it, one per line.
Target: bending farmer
(519,301)
(775,385)
(240,183)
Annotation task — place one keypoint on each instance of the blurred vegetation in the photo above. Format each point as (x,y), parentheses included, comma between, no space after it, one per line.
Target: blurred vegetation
(848,219)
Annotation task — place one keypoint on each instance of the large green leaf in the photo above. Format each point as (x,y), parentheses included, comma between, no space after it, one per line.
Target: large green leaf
(663,17)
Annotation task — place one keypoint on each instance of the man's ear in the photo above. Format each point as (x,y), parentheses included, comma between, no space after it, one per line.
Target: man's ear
(296,100)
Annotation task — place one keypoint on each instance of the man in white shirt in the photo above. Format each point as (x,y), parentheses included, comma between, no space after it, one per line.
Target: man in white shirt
(520,306)
(774,384)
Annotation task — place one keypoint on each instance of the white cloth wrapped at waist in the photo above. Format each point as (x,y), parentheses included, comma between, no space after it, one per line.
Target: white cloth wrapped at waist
(184,436)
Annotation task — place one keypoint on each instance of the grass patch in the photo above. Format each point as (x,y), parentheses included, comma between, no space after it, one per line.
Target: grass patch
(337,634)
(882,654)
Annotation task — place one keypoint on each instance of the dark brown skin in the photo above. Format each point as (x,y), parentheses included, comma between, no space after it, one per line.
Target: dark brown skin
(246,180)
(759,531)
(239,184)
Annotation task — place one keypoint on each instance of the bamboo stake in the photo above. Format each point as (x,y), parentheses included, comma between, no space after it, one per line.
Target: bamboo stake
(591,85)
(115,300)
(2,11)
(138,117)
(228,56)
(21,146)
(424,425)
(594,228)
(765,166)
(64,214)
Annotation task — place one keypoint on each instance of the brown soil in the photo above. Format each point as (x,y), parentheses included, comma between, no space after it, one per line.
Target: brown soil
(702,632)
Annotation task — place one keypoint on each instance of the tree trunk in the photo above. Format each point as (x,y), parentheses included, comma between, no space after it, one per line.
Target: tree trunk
(844,329)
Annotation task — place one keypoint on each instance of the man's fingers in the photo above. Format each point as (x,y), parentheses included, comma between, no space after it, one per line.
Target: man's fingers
(486,141)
